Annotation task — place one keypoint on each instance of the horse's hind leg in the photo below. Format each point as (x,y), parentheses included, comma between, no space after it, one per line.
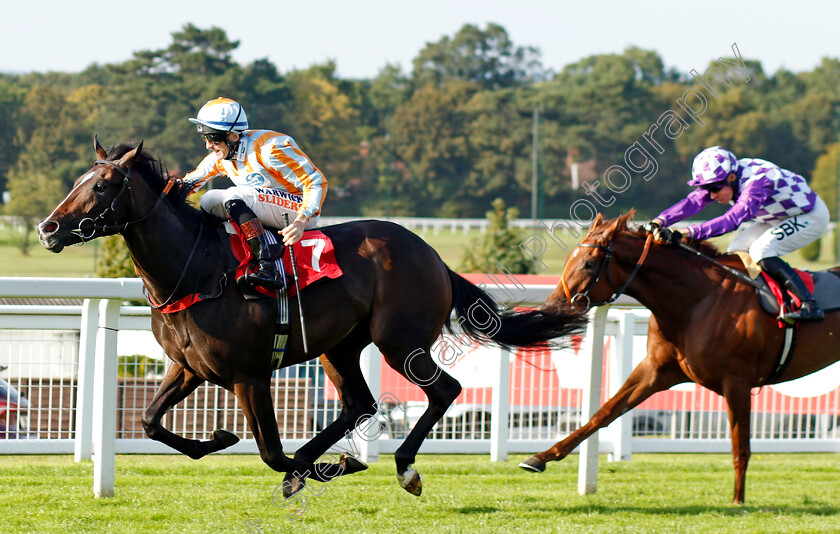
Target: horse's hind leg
(647,378)
(737,394)
(177,385)
(440,388)
(341,364)
(255,400)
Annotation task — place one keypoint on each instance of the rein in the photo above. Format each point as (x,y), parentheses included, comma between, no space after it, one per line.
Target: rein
(730,270)
(180,278)
(617,292)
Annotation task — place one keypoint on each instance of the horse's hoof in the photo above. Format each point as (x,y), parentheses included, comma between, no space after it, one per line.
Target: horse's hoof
(411,481)
(225,438)
(351,464)
(533,464)
(292,486)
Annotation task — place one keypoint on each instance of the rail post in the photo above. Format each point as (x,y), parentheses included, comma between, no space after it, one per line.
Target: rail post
(622,427)
(83,446)
(371,369)
(500,410)
(588,462)
(105,399)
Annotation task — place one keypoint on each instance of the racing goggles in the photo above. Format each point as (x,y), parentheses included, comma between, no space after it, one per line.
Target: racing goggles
(215,137)
(713,188)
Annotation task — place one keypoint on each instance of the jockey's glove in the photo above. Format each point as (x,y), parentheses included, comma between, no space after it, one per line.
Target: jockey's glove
(651,226)
(667,235)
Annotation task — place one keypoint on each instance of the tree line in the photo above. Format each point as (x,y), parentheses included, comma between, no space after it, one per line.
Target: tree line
(445,139)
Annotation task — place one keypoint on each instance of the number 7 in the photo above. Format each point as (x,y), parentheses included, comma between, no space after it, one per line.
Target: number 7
(317,247)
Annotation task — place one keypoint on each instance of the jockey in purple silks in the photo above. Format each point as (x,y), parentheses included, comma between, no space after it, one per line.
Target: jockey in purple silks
(783,213)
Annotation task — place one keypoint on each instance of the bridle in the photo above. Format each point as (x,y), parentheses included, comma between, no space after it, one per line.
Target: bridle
(88,227)
(604,266)
(105,229)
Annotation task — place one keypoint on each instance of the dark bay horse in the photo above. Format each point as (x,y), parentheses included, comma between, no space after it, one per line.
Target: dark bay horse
(395,292)
(706,327)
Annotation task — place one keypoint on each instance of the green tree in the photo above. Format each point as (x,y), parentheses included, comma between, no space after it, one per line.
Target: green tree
(430,137)
(499,246)
(487,57)
(811,251)
(33,193)
(138,366)
(499,130)
(151,95)
(592,112)
(322,119)
(48,133)
(115,260)
(825,180)
(385,93)
(192,51)
(11,99)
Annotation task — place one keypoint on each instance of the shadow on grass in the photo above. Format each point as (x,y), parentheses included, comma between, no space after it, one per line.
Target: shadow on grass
(815,509)
(477,509)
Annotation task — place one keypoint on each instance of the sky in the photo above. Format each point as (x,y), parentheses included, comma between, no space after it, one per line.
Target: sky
(364,36)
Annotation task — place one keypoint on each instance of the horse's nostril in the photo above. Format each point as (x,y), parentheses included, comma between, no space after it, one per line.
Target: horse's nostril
(49,227)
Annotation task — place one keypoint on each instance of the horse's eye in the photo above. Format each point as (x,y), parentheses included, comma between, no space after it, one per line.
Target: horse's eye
(99,186)
(589,264)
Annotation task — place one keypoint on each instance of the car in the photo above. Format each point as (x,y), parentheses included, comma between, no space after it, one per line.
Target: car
(14,416)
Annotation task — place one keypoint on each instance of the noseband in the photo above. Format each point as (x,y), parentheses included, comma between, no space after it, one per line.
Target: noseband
(604,266)
(88,227)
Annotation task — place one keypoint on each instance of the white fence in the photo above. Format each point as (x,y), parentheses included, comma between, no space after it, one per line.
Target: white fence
(523,403)
(464,225)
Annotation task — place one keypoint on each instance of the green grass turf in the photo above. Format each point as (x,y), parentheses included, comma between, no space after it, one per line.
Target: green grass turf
(76,261)
(465,493)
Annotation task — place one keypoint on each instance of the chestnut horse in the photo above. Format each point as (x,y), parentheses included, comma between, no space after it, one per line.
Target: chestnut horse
(706,327)
(395,292)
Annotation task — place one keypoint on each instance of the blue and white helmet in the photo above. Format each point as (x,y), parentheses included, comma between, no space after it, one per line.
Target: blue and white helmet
(221,115)
(712,165)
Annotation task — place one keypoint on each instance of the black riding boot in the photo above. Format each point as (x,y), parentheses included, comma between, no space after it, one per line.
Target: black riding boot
(252,229)
(781,272)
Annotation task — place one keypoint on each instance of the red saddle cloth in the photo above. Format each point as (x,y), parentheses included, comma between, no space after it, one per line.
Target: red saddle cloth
(779,292)
(314,255)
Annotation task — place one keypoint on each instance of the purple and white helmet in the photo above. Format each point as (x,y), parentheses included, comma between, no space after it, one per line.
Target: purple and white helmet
(712,165)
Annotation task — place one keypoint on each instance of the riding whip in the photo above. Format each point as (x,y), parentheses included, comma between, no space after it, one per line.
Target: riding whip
(297,290)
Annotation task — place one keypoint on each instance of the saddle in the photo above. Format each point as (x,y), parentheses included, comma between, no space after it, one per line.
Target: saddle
(314,259)
(774,299)
(826,291)
(824,285)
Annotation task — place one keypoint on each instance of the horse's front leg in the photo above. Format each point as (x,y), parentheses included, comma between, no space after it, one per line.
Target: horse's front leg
(737,394)
(177,385)
(255,400)
(649,377)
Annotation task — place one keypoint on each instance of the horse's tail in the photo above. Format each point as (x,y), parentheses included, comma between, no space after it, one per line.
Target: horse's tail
(479,317)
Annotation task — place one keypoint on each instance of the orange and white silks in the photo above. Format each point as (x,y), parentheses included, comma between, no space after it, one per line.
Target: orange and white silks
(267,159)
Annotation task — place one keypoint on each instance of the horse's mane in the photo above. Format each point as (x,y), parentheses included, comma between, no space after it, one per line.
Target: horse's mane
(153,170)
(602,231)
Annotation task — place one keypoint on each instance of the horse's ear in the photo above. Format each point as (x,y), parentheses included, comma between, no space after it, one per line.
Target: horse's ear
(597,222)
(128,159)
(100,152)
(618,223)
